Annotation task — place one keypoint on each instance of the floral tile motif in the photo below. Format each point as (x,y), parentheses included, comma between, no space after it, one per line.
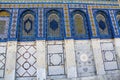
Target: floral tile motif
(85,59)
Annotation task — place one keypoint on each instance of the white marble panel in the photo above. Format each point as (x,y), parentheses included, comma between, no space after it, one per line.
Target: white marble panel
(41,59)
(117,49)
(27,78)
(70,59)
(56,70)
(2,49)
(109,56)
(55,60)
(55,49)
(11,60)
(111,65)
(107,46)
(84,58)
(1,73)
(26,62)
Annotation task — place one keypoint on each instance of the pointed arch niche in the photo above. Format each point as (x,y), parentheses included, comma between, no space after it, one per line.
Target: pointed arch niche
(103,24)
(54,25)
(4,24)
(79,24)
(118,19)
(27,26)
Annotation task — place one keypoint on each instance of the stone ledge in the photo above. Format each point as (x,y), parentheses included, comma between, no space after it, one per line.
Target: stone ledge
(102,77)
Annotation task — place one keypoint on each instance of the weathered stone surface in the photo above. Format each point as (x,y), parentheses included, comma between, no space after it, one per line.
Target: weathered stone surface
(65,54)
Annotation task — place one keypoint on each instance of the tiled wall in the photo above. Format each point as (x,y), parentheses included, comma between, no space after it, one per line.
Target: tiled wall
(54,51)
(56,62)
(62,1)
(39,9)
(3,53)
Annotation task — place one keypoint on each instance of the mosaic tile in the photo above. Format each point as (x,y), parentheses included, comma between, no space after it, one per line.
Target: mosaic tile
(14,24)
(92,23)
(66,16)
(67,21)
(40,23)
(113,22)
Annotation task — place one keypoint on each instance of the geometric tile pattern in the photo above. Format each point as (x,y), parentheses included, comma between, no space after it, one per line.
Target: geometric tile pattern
(113,6)
(112,77)
(84,59)
(26,62)
(92,22)
(31,5)
(114,22)
(14,23)
(66,7)
(40,23)
(56,64)
(61,1)
(109,56)
(66,20)
(2,60)
(77,6)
